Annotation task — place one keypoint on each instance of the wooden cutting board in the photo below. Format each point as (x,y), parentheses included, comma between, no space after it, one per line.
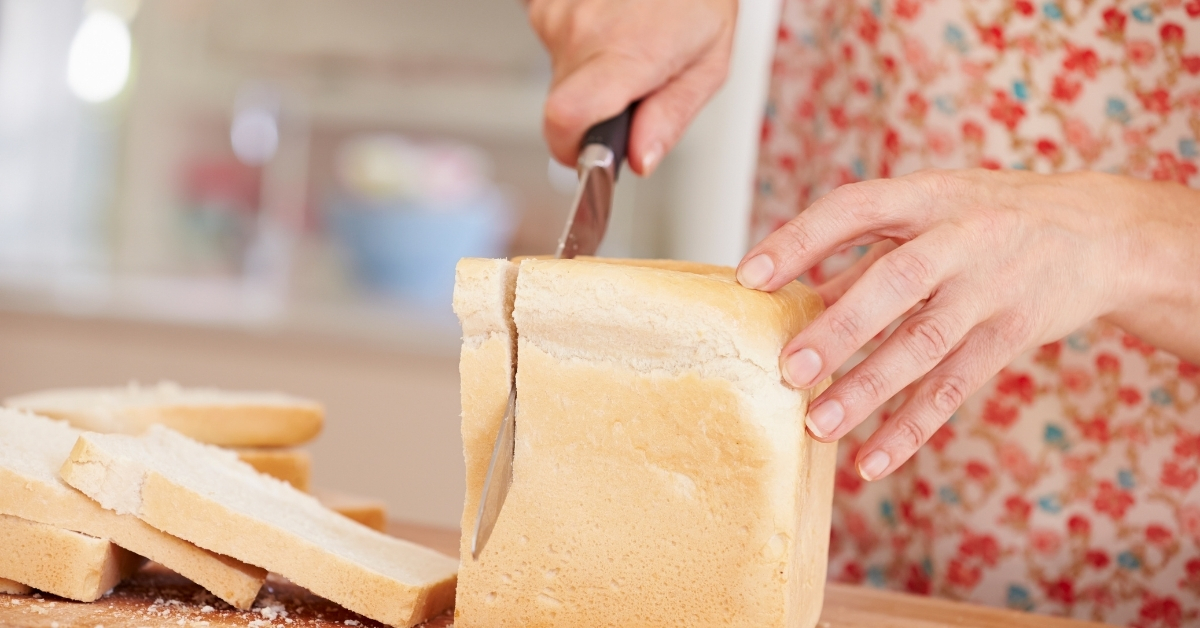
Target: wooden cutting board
(156,598)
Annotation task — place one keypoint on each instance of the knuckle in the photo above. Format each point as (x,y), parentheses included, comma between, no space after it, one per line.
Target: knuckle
(856,201)
(871,384)
(581,19)
(936,183)
(947,394)
(908,273)
(795,237)
(846,326)
(911,433)
(1016,329)
(928,337)
(561,112)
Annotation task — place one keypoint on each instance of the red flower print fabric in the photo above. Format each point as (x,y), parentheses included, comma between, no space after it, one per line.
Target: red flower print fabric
(1068,484)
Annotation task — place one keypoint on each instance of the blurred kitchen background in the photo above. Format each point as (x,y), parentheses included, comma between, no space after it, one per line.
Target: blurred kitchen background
(272,194)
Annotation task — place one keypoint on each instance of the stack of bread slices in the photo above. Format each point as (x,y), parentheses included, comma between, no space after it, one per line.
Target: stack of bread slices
(94,482)
(265,430)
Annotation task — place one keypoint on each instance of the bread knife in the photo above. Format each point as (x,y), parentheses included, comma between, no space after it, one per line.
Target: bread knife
(600,157)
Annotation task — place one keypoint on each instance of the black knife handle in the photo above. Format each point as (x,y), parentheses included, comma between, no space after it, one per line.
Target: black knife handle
(613,133)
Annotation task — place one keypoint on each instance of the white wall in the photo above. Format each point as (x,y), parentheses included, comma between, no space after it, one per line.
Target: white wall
(711,175)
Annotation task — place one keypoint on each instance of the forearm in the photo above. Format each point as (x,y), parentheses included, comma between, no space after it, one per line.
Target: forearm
(1161,304)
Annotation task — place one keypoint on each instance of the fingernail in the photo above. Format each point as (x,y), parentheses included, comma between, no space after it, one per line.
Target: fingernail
(874,465)
(801,368)
(756,272)
(650,159)
(825,418)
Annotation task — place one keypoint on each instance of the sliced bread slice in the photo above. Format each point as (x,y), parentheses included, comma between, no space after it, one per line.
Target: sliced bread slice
(34,448)
(206,495)
(12,587)
(68,564)
(289,464)
(219,417)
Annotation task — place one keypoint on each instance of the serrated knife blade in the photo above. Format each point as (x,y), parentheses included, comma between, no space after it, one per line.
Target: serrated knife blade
(600,159)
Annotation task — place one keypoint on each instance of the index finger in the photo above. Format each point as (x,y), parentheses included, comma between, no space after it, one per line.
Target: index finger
(854,214)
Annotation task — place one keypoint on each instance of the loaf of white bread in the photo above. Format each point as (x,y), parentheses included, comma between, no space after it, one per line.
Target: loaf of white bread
(205,495)
(662,474)
(34,448)
(217,417)
(68,564)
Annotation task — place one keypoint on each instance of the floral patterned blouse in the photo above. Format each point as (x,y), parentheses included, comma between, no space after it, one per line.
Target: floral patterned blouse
(1068,484)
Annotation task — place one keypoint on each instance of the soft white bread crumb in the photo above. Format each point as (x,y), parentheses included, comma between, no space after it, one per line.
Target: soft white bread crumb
(484,290)
(12,587)
(219,417)
(65,563)
(289,464)
(662,472)
(34,448)
(205,495)
(368,511)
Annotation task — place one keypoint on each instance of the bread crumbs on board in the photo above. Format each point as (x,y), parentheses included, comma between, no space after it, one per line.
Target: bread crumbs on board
(156,598)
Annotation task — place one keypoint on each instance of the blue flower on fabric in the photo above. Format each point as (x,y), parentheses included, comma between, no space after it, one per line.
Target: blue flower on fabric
(1161,397)
(927,566)
(1018,598)
(1143,13)
(1020,90)
(877,7)
(945,104)
(859,168)
(948,494)
(771,110)
(1052,10)
(1128,560)
(875,576)
(1055,436)
(1078,342)
(1050,504)
(1187,148)
(1116,109)
(878,90)
(764,187)
(955,37)
(888,511)
(1125,479)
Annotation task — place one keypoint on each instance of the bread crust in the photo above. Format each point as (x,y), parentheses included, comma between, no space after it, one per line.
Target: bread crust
(58,561)
(227,419)
(289,464)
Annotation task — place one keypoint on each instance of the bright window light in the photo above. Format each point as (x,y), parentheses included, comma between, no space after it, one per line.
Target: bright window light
(98,61)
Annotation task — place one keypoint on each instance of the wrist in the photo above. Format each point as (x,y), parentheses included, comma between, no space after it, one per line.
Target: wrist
(1158,256)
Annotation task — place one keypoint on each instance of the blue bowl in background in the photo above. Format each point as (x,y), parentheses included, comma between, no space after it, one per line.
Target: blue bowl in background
(408,249)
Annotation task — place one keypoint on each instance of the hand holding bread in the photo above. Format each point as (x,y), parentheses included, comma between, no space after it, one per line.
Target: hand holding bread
(985,264)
